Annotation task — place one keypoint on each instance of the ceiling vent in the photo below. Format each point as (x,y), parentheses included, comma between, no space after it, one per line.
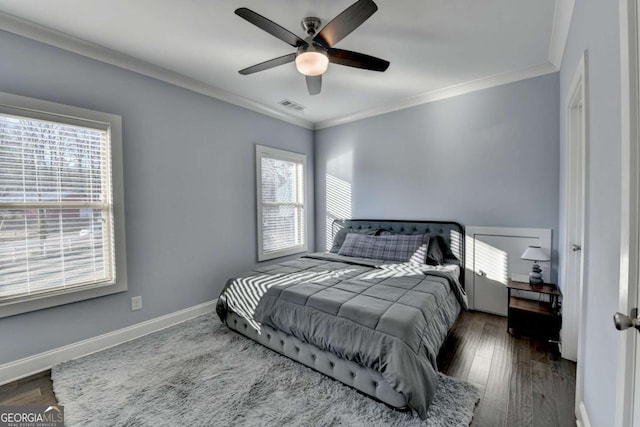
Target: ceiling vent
(292,105)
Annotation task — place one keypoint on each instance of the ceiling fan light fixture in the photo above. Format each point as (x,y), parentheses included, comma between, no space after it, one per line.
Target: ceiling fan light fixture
(312,63)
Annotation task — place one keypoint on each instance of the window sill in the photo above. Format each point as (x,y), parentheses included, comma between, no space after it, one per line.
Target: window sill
(282,253)
(12,308)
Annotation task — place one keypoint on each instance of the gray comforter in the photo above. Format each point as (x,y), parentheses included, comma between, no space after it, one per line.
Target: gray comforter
(388,317)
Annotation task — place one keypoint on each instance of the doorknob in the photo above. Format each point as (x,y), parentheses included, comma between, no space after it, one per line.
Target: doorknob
(623,322)
(481,273)
(576,248)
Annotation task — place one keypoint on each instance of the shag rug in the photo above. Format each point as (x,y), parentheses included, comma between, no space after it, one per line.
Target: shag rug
(199,373)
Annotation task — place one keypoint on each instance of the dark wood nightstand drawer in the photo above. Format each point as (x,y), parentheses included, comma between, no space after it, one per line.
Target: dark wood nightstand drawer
(542,308)
(539,318)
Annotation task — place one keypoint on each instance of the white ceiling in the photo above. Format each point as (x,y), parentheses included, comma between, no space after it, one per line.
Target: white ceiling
(431,44)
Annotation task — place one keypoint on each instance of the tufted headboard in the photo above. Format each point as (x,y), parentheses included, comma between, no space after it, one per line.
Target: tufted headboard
(452,232)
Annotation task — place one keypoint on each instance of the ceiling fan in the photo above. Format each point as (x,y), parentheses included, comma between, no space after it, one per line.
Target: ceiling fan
(314,53)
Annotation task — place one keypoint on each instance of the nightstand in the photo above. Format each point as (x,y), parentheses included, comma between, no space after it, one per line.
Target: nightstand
(542,318)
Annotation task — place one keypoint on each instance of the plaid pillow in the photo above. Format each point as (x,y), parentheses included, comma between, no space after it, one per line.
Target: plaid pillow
(400,247)
(436,249)
(338,240)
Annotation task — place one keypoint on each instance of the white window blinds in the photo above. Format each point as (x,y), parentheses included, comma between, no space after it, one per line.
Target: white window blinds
(56,209)
(281,206)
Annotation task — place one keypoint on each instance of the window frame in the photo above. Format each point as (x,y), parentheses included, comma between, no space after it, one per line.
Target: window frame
(39,109)
(275,153)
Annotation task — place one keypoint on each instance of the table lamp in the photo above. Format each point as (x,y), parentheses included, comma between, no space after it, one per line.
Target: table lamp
(535,254)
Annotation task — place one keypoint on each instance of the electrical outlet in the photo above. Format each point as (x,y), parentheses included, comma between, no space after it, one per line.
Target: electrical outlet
(136,303)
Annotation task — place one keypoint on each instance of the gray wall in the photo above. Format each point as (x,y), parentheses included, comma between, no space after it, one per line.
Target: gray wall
(488,158)
(595,28)
(189,174)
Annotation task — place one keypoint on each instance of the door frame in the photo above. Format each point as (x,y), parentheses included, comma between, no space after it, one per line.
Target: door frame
(630,219)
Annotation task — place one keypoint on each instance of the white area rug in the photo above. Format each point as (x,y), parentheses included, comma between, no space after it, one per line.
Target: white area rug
(199,373)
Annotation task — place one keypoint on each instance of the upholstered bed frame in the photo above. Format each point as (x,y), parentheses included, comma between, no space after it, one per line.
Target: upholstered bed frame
(363,379)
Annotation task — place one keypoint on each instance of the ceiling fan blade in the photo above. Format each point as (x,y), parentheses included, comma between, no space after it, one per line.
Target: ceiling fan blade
(357,60)
(269,64)
(314,84)
(270,27)
(343,24)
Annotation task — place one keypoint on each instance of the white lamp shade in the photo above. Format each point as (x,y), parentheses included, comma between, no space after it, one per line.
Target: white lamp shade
(535,253)
(312,63)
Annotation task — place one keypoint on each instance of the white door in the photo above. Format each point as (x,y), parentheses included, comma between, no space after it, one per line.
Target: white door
(628,393)
(628,361)
(634,200)
(574,219)
(574,242)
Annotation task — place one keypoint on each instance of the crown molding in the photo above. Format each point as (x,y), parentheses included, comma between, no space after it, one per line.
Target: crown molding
(24,28)
(448,92)
(73,44)
(560,31)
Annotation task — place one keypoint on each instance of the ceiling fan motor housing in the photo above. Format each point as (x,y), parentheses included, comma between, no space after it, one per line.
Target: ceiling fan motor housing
(311,46)
(310,25)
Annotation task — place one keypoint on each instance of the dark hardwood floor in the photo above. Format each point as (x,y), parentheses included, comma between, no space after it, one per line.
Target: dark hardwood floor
(34,390)
(523,382)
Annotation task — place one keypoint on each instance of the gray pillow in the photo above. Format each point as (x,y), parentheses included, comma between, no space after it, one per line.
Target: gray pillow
(435,254)
(398,247)
(338,240)
(447,254)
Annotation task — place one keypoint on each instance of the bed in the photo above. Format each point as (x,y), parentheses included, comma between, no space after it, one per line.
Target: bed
(373,319)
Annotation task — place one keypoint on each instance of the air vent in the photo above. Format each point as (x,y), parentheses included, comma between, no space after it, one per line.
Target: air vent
(292,105)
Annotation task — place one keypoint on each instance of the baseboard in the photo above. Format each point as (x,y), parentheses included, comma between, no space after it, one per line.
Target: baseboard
(582,419)
(31,365)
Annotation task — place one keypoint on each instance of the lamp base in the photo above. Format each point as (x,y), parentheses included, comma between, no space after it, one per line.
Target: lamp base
(535,280)
(535,277)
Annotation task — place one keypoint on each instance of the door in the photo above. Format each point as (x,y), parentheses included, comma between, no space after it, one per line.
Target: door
(634,202)
(628,361)
(629,371)
(573,243)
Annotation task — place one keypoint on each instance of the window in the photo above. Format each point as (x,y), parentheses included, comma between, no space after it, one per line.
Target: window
(61,213)
(281,212)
